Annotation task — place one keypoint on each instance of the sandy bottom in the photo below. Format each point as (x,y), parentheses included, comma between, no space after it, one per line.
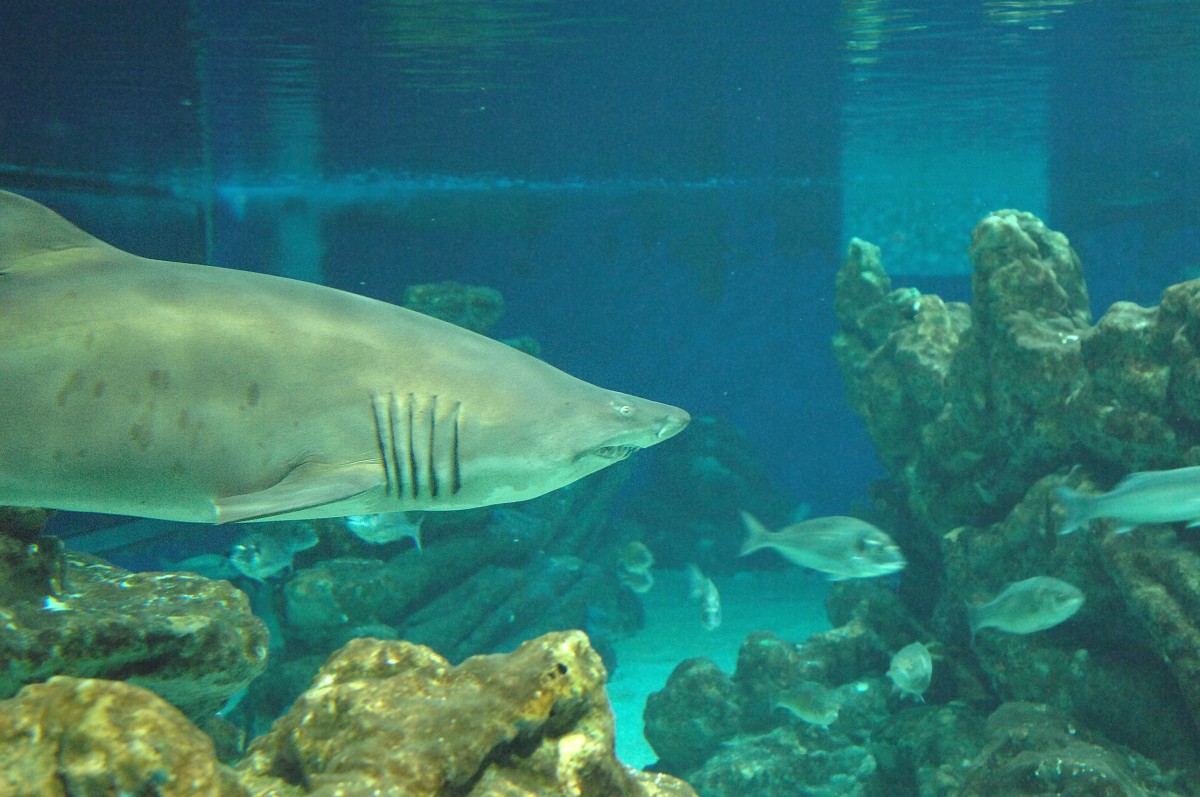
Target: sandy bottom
(788,604)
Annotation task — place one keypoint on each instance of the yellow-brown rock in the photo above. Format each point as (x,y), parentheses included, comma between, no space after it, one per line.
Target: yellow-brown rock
(70,737)
(393,718)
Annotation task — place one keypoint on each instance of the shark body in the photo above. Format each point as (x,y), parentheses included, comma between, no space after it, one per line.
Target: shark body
(195,393)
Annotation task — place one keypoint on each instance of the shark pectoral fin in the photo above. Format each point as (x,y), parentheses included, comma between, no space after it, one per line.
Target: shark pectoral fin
(305,486)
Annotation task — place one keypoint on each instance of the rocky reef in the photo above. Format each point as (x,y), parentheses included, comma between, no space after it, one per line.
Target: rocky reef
(190,640)
(380,718)
(979,412)
(474,307)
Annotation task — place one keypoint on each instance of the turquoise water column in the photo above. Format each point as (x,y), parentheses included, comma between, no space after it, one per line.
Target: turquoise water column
(945,120)
(294,137)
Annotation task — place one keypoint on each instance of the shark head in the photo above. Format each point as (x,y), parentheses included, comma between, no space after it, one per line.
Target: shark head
(564,432)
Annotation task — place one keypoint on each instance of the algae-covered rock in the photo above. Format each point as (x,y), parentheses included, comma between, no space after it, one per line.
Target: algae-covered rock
(1031,746)
(474,307)
(1100,665)
(1025,397)
(895,348)
(70,737)
(190,640)
(24,523)
(927,750)
(382,719)
(30,569)
(782,763)
(696,711)
(393,718)
(792,716)
(1160,581)
(961,403)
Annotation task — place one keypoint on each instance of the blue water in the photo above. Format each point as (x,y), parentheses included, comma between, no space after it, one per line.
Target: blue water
(660,191)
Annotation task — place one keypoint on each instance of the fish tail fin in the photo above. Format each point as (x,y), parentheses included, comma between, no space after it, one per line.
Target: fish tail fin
(1078,506)
(757,535)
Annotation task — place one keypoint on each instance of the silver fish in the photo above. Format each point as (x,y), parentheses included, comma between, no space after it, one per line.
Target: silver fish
(263,554)
(703,591)
(187,392)
(843,547)
(1153,496)
(1025,607)
(382,528)
(210,565)
(911,671)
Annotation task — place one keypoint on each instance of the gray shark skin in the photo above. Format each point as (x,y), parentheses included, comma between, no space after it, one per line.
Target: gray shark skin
(194,393)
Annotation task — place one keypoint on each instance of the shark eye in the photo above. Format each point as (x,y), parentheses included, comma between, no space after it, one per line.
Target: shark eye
(623,409)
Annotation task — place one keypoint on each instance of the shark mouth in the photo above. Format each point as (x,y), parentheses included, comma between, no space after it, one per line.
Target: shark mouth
(615,453)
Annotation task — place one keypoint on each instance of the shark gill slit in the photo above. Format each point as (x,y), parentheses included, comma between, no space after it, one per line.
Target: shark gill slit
(433,479)
(455,465)
(399,445)
(385,439)
(419,442)
(414,479)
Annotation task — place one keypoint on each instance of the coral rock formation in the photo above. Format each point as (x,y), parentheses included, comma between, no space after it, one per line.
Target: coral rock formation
(192,641)
(474,307)
(72,736)
(392,718)
(381,719)
(980,413)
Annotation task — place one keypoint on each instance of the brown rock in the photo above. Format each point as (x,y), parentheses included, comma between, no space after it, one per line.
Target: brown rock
(393,718)
(190,640)
(73,736)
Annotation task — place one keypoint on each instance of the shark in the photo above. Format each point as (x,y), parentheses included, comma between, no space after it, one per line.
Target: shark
(188,392)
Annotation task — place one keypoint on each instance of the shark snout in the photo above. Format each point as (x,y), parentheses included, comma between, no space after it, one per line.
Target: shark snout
(674,423)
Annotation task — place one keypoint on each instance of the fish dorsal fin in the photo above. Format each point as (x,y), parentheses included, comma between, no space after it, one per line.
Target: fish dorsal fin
(28,229)
(304,487)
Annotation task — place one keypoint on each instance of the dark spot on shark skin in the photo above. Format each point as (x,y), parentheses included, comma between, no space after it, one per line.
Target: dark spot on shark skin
(252,394)
(98,388)
(182,421)
(159,379)
(75,383)
(89,339)
(141,436)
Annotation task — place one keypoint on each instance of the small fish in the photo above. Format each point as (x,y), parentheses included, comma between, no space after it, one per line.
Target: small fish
(209,565)
(811,702)
(911,671)
(263,554)
(634,555)
(1153,496)
(843,547)
(386,527)
(640,581)
(1024,607)
(703,591)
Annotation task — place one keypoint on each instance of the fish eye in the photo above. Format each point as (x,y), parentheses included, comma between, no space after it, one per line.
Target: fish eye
(623,409)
